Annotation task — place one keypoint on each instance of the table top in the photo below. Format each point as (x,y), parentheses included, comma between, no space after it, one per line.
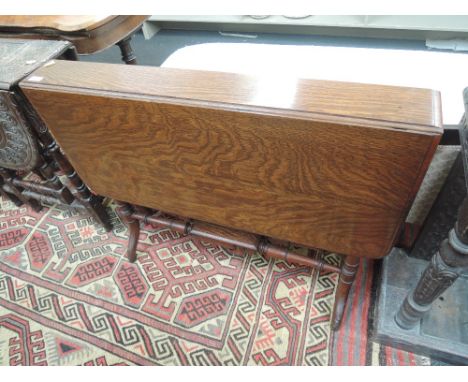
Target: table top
(63,23)
(443,71)
(385,106)
(18,58)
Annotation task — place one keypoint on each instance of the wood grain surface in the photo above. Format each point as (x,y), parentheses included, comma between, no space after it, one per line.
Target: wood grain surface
(64,23)
(323,164)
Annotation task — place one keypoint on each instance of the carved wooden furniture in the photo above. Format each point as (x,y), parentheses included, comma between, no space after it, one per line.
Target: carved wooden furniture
(321,164)
(25,143)
(89,34)
(449,262)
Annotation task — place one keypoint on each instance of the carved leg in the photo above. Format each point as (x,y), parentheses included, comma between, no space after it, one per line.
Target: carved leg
(128,56)
(437,277)
(133,230)
(445,267)
(348,273)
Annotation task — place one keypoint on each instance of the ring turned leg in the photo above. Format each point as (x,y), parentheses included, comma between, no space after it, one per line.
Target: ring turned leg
(128,56)
(91,202)
(133,230)
(348,273)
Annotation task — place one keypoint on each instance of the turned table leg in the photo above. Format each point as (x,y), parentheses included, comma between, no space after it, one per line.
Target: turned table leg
(131,216)
(128,56)
(348,273)
(133,225)
(91,202)
(445,267)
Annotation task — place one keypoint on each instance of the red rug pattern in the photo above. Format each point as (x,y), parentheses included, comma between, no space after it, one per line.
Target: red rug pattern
(68,296)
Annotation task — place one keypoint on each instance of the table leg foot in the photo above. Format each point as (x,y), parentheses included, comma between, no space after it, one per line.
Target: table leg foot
(128,56)
(348,273)
(133,230)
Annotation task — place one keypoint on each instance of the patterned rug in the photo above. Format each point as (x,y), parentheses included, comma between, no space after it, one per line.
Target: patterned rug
(69,297)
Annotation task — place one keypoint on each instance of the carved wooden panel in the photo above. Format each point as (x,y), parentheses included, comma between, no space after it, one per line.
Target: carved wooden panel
(18,147)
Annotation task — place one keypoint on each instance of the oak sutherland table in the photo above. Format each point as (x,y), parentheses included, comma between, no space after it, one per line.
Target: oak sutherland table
(321,164)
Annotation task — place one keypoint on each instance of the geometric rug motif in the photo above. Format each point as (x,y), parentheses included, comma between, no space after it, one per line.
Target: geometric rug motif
(68,296)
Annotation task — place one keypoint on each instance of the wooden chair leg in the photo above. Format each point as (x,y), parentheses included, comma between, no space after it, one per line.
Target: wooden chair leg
(133,230)
(128,56)
(348,273)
